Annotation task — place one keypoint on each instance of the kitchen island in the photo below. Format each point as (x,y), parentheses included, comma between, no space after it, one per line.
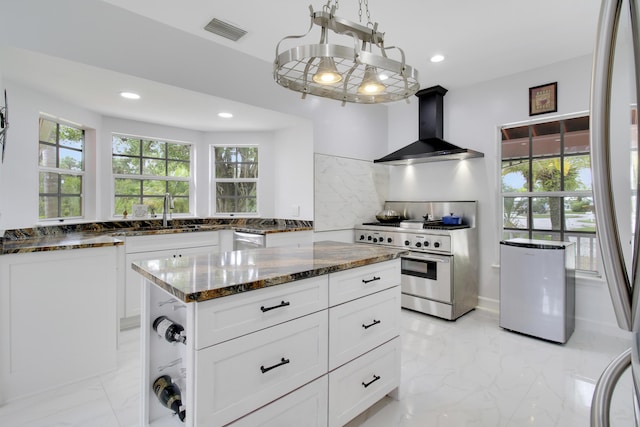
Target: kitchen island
(273,335)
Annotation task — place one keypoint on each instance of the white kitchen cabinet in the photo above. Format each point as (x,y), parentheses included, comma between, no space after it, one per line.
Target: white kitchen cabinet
(243,374)
(139,248)
(308,403)
(57,317)
(262,357)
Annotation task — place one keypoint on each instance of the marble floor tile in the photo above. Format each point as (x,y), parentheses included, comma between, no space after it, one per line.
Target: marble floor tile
(469,372)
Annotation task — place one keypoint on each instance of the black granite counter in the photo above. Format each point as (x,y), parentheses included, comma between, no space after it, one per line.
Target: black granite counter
(112,233)
(201,277)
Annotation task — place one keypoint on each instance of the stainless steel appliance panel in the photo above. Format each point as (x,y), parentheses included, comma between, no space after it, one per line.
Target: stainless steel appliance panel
(243,241)
(427,276)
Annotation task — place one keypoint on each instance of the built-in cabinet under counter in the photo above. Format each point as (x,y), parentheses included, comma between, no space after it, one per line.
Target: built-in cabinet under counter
(317,341)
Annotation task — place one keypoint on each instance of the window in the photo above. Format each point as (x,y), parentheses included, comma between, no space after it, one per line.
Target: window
(546,185)
(236,179)
(61,170)
(144,170)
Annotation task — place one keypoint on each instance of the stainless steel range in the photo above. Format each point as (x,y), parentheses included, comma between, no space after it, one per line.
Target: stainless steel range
(440,273)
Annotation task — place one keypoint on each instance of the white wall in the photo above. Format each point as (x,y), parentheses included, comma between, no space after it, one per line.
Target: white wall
(472,117)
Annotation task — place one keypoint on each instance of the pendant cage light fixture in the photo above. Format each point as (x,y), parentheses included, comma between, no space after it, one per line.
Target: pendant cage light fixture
(351,73)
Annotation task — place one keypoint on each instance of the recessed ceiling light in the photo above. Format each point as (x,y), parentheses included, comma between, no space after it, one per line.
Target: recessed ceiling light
(437,58)
(225,115)
(129,95)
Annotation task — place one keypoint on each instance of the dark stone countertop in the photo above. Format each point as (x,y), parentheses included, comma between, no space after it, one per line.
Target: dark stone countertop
(112,233)
(200,277)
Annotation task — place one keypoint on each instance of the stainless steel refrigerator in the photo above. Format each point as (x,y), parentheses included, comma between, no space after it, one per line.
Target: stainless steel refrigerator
(614,154)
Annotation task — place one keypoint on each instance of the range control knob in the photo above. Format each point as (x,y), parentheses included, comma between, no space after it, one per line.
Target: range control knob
(362,237)
(436,244)
(375,240)
(369,238)
(426,243)
(381,240)
(418,244)
(407,243)
(389,240)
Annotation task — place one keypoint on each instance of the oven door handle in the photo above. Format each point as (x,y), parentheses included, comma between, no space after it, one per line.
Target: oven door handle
(421,258)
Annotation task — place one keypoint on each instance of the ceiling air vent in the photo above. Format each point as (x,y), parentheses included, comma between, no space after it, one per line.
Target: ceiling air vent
(225,29)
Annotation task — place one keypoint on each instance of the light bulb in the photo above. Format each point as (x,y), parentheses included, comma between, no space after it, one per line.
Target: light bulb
(371,84)
(327,72)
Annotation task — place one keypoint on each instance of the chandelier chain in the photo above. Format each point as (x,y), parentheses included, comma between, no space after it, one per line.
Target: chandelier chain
(366,7)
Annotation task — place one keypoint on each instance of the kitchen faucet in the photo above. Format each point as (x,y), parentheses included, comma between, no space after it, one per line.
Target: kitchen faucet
(168,204)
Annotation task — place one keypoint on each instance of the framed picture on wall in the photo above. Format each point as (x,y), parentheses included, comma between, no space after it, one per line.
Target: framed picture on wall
(543,99)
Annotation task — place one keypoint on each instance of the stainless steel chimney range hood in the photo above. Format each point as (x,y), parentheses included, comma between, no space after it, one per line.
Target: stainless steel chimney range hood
(430,147)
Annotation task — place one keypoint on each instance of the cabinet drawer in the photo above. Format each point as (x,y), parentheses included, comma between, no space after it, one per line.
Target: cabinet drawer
(307,405)
(221,319)
(361,325)
(241,375)
(357,282)
(160,242)
(362,382)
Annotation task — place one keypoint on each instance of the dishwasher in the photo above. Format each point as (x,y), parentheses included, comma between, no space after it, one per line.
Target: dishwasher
(242,241)
(537,288)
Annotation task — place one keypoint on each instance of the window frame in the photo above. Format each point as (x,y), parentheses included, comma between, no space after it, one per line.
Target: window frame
(148,177)
(213,206)
(531,194)
(59,171)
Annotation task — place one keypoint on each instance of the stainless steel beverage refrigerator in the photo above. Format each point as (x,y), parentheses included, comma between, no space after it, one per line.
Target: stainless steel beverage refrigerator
(614,162)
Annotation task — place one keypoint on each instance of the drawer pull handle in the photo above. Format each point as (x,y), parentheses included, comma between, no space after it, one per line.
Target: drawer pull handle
(375,322)
(282,304)
(370,280)
(283,361)
(375,378)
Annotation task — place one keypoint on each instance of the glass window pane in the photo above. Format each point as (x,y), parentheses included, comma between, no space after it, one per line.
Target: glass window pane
(553,237)
(246,189)
(71,206)
(225,154)
(71,159)
(576,136)
(547,213)
(546,139)
(71,184)
(48,131)
(126,165)
(154,187)
(48,156)
(579,214)
(48,183)
(155,203)
(586,250)
(124,145)
(124,204)
(514,176)
(577,173)
(155,149)
(180,205)
(71,137)
(224,205)
(154,167)
(179,151)
(248,154)
(248,170)
(48,207)
(515,212)
(128,186)
(178,169)
(514,234)
(226,170)
(225,189)
(178,188)
(547,175)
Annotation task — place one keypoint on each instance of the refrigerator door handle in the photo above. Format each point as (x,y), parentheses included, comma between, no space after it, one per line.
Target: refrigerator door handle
(606,223)
(603,393)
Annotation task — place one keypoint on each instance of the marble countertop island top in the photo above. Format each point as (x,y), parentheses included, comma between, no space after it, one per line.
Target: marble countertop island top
(200,277)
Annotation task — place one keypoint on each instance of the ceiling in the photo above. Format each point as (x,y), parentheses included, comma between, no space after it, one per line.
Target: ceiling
(481,40)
